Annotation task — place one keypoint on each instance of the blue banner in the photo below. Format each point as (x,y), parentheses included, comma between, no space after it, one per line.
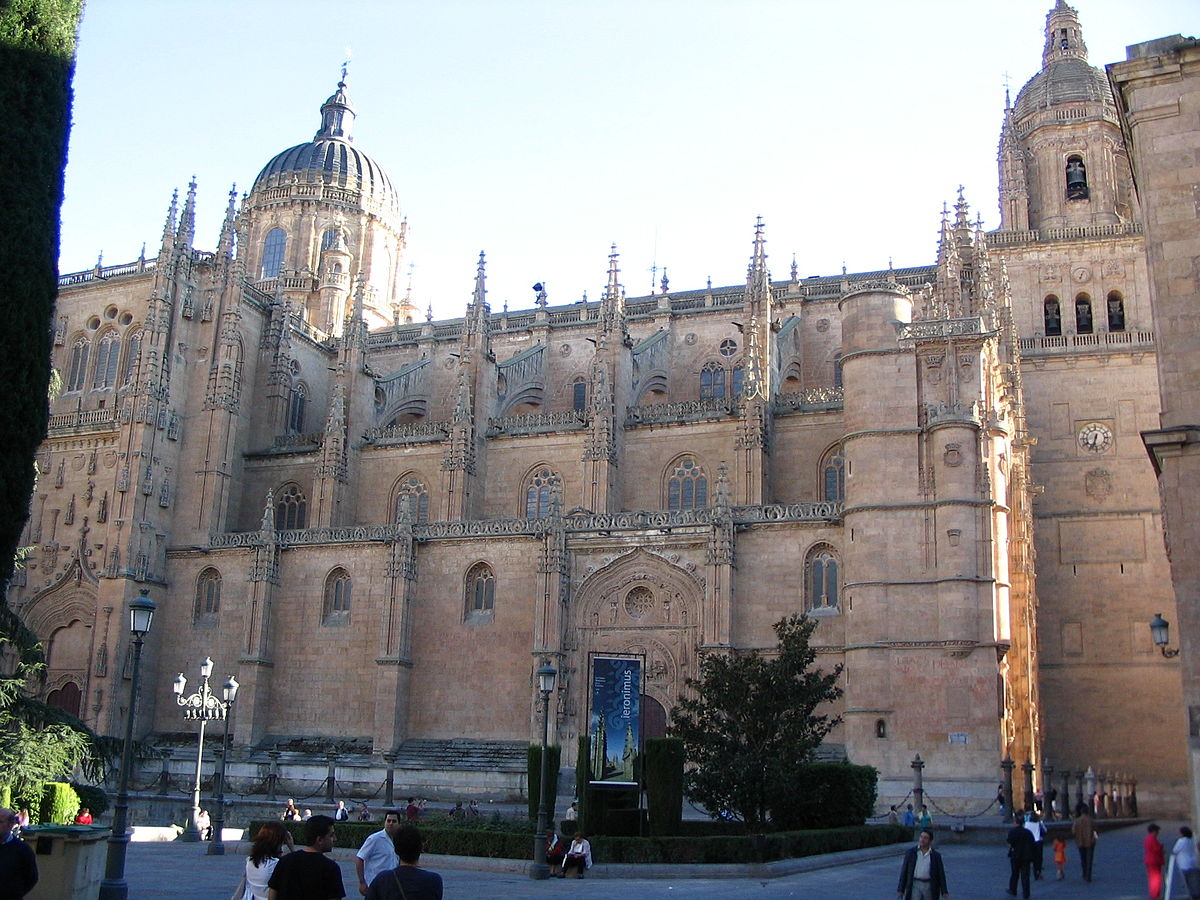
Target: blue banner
(616,718)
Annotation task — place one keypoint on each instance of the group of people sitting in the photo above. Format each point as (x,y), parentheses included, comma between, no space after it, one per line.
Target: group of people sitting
(565,859)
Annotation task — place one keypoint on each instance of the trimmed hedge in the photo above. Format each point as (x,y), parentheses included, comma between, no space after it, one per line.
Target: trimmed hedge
(453,840)
(59,804)
(664,785)
(534,768)
(583,777)
(824,795)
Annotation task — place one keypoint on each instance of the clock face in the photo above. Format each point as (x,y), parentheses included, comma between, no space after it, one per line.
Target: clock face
(1095,437)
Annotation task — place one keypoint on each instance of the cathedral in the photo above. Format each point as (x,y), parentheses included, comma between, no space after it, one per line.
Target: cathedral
(384,524)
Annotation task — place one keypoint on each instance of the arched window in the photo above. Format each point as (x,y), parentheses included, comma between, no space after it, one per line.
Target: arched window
(1083,314)
(329,239)
(687,486)
(712,382)
(67,698)
(208,596)
(296,407)
(1052,316)
(412,500)
(291,508)
(739,380)
(579,393)
(540,491)
(336,607)
(837,370)
(1116,311)
(273,247)
(480,591)
(79,360)
(107,354)
(833,476)
(1077,183)
(821,578)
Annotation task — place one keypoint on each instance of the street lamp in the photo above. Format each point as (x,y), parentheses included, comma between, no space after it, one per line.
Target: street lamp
(1160,629)
(114,886)
(540,870)
(228,694)
(203,705)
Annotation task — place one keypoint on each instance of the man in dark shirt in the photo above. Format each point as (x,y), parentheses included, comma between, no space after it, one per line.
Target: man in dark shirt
(407,881)
(18,865)
(309,874)
(1020,858)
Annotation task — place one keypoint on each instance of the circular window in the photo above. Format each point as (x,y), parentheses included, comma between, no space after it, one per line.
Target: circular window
(728,347)
(93,323)
(638,602)
(126,318)
(110,313)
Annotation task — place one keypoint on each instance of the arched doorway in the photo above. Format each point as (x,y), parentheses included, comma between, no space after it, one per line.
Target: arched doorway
(67,698)
(654,718)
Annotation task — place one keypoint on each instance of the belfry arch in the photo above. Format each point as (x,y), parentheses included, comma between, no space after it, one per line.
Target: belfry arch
(645,605)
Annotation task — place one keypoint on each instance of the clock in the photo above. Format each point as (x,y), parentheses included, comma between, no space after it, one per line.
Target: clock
(1094,437)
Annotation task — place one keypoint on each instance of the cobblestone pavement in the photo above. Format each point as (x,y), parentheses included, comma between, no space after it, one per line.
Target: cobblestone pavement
(173,870)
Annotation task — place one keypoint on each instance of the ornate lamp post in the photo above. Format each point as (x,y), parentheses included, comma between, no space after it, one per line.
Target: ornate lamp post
(114,886)
(540,870)
(203,705)
(228,694)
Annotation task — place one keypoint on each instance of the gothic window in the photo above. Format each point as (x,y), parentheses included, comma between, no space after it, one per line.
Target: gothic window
(712,382)
(1052,316)
(291,507)
(337,598)
(412,500)
(329,239)
(273,247)
(296,408)
(1116,312)
(1083,314)
(107,355)
(1077,184)
(480,594)
(837,370)
(67,698)
(579,393)
(687,486)
(132,351)
(821,578)
(79,360)
(833,476)
(208,596)
(539,492)
(739,380)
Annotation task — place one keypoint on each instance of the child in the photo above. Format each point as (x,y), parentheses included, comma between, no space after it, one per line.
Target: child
(1060,856)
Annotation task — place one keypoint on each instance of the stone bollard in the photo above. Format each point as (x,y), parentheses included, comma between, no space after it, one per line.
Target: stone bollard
(1048,791)
(1080,785)
(389,796)
(1007,767)
(918,791)
(164,777)
(1027,769)
(330,779)
(1067,810)
(273,774)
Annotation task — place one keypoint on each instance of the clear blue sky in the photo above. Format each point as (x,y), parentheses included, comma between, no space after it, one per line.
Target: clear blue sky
(541,132)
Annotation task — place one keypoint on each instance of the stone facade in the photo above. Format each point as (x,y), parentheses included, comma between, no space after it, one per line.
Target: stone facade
(383,526)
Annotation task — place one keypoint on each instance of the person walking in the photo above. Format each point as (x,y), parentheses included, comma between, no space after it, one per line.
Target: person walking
(1084,832)
(1033,824)
(407,881)
(923,874)
(377,854)
(1153,858)
(1184,856)
(18,865)
(308,874)
(1020,858)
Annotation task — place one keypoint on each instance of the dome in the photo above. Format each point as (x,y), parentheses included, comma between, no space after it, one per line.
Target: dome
(1063,81)
(331,158)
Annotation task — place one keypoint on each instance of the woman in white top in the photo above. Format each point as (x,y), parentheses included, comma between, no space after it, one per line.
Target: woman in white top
(579,856)
(1183,854)
(265,852)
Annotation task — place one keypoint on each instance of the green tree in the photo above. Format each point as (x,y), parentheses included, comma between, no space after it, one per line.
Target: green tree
(750,719)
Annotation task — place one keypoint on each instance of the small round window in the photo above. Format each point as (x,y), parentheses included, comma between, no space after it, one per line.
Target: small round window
(728,347)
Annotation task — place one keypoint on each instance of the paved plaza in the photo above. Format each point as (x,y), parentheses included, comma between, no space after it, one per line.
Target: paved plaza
(173,870)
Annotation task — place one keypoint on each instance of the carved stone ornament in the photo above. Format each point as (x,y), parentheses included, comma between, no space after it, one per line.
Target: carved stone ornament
(690,338)
(1098,484)
(1081,274)
(564,350)
(1114,268)
(953,455)
(1050,273)
(822,325)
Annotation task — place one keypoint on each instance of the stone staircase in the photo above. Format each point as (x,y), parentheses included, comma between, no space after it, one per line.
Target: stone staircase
(462,755)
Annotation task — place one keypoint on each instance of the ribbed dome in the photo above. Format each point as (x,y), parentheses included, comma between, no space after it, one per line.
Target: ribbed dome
(1063,81)
(330,158)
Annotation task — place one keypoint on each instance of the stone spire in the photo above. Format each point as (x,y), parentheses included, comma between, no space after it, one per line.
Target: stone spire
(478,311)
(168,237)
(226,240)
(1064,35)
(1014,184)
(948,293)
(333,445)
(757,308)
(187,219)
(612,304)
(337,114)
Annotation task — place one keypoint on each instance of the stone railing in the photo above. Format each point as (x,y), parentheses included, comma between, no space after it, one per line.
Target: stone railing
(309,330)
(84,420)
(813,398)
(537,423)
(934,329)
(1065,233)
(291,442)
(103,273)
(411,433)
(687,411)
(1044,345)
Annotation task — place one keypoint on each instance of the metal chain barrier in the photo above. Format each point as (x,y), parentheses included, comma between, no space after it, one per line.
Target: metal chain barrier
(961,817)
